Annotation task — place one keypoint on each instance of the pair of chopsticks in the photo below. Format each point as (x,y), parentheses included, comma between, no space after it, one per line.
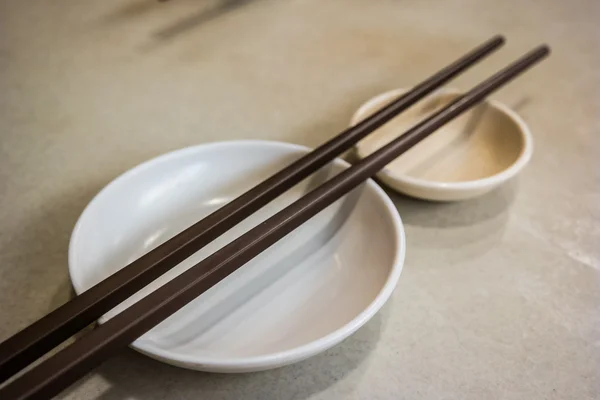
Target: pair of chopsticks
(62,369)
(21,349)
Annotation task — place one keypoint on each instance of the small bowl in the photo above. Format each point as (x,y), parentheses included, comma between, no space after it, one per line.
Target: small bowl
(475,153)
(300,297)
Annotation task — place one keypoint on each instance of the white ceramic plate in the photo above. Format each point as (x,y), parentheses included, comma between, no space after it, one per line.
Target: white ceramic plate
(473,154)
(303,295)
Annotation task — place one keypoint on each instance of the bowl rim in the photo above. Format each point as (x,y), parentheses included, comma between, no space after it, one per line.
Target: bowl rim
(489,181)
(267,361)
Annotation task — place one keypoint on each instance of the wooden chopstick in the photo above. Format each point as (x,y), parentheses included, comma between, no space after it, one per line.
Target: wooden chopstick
(68,365)
(40,337)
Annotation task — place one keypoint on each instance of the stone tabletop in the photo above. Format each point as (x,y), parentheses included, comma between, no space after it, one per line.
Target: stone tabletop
(500,296)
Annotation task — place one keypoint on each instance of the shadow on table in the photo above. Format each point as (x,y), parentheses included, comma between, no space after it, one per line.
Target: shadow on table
(470,212)
(208,10)
(457,232)
(133,9)
(192,21)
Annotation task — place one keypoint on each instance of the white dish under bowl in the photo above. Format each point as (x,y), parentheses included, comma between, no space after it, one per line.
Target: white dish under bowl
(470,156)
(303,295)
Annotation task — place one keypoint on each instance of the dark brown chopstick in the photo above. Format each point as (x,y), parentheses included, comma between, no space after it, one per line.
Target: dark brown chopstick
(68,365)
(32,342)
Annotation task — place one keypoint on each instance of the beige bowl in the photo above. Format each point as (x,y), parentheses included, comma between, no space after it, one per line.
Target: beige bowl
(469,156)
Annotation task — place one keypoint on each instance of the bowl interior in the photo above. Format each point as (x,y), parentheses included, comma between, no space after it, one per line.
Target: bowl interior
(480,143)
(311,285)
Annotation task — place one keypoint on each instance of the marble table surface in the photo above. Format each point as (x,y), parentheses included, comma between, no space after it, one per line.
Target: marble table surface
(500,296)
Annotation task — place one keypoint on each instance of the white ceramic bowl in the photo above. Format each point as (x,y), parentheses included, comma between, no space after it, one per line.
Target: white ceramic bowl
(468,157)
(303,295)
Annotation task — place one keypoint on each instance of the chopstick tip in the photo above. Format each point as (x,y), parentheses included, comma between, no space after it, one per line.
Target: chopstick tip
(500,39)
(540,52)
(545,49)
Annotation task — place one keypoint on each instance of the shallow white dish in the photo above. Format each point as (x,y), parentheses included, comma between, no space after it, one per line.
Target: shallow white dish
(475,153)
(303,295)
